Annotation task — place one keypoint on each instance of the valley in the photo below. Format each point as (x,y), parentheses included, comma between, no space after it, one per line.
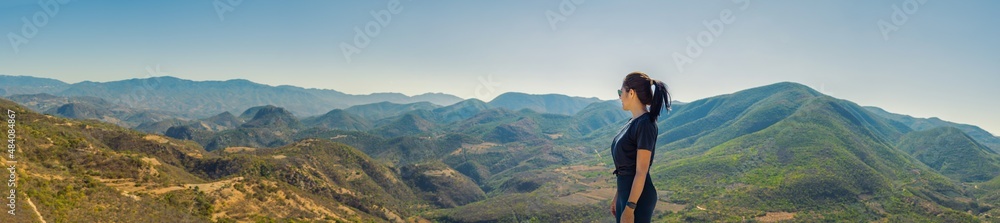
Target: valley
(772,153)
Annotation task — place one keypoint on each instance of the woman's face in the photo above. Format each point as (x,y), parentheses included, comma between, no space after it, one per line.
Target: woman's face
(626,96)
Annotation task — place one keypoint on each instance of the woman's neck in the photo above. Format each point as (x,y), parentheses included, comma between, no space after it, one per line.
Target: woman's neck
(636,112)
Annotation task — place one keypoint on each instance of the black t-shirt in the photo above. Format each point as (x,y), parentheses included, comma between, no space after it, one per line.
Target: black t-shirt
(639,133)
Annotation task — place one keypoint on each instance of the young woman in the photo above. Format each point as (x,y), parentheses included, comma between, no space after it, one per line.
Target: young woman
(634,146)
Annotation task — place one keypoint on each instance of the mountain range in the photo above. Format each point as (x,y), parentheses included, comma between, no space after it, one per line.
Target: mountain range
(205,98)
(777,152)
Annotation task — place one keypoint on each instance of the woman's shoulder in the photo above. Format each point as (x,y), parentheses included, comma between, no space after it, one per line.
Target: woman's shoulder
(645,121)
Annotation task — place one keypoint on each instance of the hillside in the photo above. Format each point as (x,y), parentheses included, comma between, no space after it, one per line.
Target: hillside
(822,161)
(86,107)
(781,151)
(919,124)
(952,153)
(338,119)
(86,171)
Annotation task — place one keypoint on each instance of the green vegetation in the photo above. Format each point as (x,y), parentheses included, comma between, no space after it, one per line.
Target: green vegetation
(952,153)
(782,151)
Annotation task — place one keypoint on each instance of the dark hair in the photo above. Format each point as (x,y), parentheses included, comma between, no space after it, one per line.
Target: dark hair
(644,88)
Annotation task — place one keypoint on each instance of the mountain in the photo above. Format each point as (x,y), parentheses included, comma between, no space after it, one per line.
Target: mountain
(435,98)
(161,127)
(442,184)
(460,111)
(547,103)
(338,172)
(787,148)
(272,117)
(406,124)
(14,85)
(199,98)
(982,136)
(81,111)
(123,175)
(351,100)
(381,110)
(43,102)
(270,127)
(91,108)
(599,115)
(503,126)
(338,119)
(220,122)
(206,98)
(778,152)
(225,120)
(951,152)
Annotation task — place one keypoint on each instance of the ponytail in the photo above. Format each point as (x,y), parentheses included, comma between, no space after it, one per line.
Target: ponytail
(642,84)
(661,98)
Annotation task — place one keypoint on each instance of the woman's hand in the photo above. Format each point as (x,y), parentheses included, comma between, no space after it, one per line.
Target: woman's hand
(628,215)
(613,201)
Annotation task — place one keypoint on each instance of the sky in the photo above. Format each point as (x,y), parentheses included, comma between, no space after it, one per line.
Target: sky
(924,58)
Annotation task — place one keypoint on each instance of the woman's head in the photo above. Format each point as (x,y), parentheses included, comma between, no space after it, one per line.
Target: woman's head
(638,90)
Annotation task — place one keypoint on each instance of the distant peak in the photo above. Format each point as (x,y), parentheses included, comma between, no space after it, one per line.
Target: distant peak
(240,81)
(782,87)
(225,114)
(335,112)
(471,101)
(788,84)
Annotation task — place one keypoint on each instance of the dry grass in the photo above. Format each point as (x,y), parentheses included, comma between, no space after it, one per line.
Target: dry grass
(156,138)
(667,206)
(238,149)
(776,216)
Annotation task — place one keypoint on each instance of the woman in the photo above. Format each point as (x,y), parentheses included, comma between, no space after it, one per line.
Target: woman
(634,146)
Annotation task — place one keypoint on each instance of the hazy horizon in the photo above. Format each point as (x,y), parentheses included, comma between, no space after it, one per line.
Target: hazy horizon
(895,55)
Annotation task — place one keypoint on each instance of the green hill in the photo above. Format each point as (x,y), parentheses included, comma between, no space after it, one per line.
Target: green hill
(460,111)
(818,163)
(600,115)
(382,110)
(224,120)
(440,183)
(980,135)
(952,153)
(546,103)
(406,124)
(338,119)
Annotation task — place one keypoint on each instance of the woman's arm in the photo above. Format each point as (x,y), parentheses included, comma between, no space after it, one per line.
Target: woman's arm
(614,201)
(641,169)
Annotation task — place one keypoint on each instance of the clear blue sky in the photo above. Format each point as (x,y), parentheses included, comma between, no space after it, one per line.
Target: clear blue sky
(942,61)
